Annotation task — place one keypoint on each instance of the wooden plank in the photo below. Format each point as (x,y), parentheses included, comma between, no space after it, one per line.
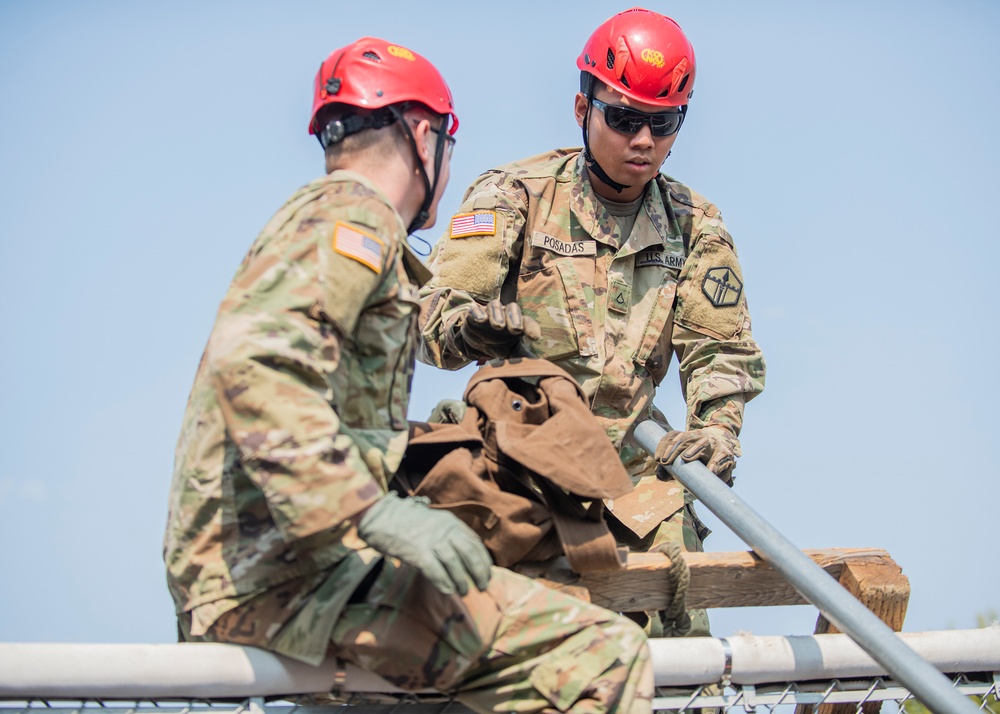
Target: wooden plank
(741,579)
(736,579)
(744,580)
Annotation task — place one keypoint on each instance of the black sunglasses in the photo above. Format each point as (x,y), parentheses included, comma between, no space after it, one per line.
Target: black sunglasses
(630,121)
(449,139)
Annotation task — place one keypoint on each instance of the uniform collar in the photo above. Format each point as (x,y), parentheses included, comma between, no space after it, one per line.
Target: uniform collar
(415,268)
(590,213)
(346,175)
(652,225)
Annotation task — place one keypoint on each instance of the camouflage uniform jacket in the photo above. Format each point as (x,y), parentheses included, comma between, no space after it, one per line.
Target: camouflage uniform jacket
(297,416)
(612,308)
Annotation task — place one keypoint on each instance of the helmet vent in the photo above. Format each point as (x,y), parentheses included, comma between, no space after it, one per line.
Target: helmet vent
(369,55)
(680,87)
(625,81)
(611,59)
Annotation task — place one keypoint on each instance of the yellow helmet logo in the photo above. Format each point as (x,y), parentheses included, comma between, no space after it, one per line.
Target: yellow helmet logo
(653,57)
(401,52)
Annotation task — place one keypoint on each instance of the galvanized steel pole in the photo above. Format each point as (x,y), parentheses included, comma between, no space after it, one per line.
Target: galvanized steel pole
(841,608)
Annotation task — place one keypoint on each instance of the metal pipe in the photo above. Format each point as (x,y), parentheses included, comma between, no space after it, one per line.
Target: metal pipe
(751,659)
(219,671)
(813,583)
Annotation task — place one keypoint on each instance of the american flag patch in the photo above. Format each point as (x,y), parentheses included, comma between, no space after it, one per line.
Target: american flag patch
(362,247)
(482,223)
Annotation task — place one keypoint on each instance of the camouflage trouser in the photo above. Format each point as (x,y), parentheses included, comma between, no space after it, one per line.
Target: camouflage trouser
(517,647)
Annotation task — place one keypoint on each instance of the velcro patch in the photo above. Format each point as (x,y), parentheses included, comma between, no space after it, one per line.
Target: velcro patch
(362,247)
(722,287)
(711,300)
(479,223)
(562,247)
(659,258)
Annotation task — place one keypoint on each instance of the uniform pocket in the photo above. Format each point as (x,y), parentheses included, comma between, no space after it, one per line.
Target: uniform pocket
(381,366)
(542,296)
(402,378)
(654,349)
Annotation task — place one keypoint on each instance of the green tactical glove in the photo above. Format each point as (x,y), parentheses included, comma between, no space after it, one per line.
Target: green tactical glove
(494,330)
(714,447)
(435,542)
(448,411)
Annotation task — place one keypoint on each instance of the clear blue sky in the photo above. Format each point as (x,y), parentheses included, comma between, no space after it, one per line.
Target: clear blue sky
(851,146)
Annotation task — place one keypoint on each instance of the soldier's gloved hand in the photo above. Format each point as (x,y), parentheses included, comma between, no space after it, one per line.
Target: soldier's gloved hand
(714,447)
(494,330)
(436,542)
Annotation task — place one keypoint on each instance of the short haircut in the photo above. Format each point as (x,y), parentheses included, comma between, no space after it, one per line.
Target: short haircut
(375,142)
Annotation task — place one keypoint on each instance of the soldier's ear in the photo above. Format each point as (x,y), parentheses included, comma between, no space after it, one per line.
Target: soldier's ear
(580,108)
(425,140)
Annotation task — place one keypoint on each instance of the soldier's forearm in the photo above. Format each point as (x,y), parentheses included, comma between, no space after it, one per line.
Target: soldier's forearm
(725,413)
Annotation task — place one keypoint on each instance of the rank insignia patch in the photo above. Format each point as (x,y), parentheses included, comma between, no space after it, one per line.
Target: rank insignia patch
(722,287)
(480,223)
(619,296)
(362,247)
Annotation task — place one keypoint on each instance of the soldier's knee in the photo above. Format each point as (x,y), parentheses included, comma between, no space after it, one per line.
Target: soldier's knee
(597,669)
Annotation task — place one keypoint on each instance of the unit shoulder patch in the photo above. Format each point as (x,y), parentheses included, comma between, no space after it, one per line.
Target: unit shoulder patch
(477,223)
(710,295)
(722,287)
(359,245)
(562,247)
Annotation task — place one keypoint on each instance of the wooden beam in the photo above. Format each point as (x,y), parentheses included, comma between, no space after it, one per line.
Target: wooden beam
(884,590)
(738,579)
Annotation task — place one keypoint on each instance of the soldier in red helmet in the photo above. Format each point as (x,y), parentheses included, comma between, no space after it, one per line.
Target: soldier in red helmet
(614,268)
(282,532)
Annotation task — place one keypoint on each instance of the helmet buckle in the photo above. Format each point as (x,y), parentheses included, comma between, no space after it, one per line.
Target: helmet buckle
(333,133)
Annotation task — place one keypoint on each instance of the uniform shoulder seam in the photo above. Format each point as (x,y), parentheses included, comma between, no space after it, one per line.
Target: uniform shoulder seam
(537,166)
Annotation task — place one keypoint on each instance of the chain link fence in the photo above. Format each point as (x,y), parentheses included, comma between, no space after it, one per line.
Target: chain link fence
(858,695)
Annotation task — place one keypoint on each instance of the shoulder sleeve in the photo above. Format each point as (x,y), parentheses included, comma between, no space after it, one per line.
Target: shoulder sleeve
(710,294)
(356,246)
(473,254)
(471,261)
(270,374)
(721,366)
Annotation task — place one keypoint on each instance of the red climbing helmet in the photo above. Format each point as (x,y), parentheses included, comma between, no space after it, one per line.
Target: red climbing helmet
(372,73)
(643,55)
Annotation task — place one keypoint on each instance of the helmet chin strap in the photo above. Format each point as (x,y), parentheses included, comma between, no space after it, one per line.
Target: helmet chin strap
(429,188)
(588,157)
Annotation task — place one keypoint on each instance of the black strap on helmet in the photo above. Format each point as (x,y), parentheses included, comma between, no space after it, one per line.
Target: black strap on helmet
(587,88)
(337,129)
(429,188)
